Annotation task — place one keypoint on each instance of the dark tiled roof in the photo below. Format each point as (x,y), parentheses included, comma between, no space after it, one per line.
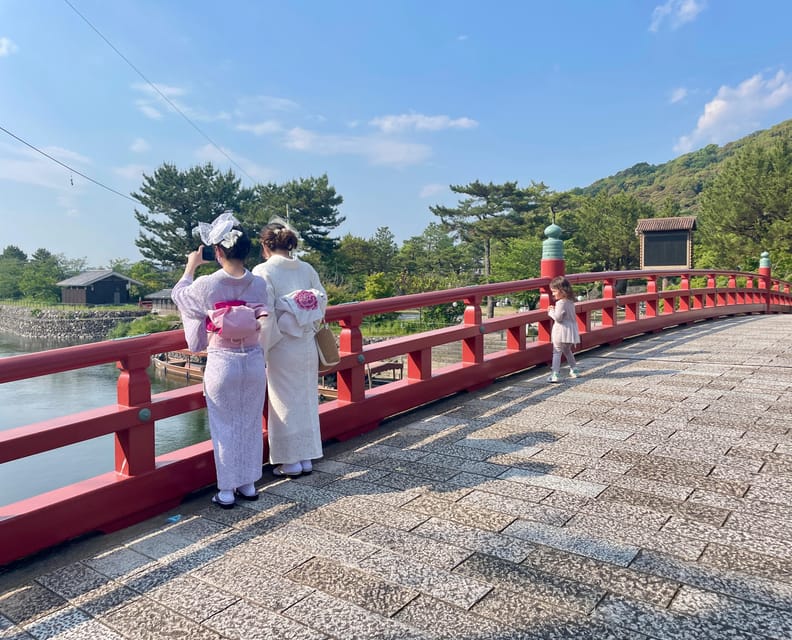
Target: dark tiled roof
(665,224)
(87,278)
(162,294)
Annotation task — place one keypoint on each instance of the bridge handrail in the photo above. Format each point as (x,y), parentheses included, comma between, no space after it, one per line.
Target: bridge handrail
(143,484)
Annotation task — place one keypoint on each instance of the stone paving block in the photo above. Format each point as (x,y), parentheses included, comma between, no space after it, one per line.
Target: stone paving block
(261,585)
(457,464)
(341,469)
(516,507)
(667,506)
(446,621)
(517,490)
(591,545)
(667,625)
(556,483)
(246,621)
(750,616)
(475,516)
(350,584)
(742,540)
(449,489)
(119,562)
(747,562)
(421,548)
(579,460)
(417,469)
(401,517)
(340,619)
(473,539)
(627,581)
(144,618)
(70,624)
(752,588)
(192,598)
(373,491)
(332,520)
(448,586)
(534,584)
(28,602)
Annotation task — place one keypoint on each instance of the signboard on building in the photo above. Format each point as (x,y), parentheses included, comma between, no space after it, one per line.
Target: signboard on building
(666,243)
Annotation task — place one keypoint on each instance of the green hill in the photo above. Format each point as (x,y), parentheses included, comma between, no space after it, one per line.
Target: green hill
(675,185)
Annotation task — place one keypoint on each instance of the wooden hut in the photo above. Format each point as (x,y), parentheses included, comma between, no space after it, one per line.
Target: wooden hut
(99,286)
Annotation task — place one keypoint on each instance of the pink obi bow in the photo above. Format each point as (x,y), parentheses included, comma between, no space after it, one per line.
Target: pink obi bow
(234,319)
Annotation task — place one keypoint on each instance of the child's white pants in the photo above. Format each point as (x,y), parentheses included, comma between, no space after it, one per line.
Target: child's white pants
(566,349)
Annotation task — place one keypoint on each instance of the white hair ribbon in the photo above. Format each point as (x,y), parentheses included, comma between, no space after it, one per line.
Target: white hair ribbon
(220,231)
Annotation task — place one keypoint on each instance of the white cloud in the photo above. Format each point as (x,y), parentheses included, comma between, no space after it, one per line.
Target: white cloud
(429,190)
(210,153)
(25,166)
(462,37)
(160,97)
(7,47)
(267,103)
(676,12)
(735,112)
(261,128)
(420,122)
(678,94)
(378,151)
(139,146)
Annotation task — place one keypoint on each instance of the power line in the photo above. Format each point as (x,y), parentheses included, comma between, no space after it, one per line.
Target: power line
(162,95)
(63,164)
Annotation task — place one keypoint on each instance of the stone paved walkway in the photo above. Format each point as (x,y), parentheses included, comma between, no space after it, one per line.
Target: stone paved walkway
(651,498)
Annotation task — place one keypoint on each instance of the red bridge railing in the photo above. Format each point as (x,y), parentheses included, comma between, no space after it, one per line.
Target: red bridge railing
(144,484)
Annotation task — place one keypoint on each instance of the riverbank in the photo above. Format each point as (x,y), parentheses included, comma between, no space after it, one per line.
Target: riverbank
(70,326)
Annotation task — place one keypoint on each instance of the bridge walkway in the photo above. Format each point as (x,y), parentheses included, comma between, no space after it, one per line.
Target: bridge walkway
(650,498)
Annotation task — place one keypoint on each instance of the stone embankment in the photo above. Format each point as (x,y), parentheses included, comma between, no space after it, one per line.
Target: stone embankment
(63,325)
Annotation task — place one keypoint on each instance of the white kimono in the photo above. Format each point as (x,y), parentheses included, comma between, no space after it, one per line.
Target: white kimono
(292,368)
(234,378)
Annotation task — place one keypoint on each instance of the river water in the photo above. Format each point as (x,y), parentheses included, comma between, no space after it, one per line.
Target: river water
(28,401)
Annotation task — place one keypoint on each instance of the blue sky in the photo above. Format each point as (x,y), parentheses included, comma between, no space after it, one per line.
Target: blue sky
(394,100)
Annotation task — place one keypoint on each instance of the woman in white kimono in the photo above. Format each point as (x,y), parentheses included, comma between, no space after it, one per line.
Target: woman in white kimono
(235,375)
(299,300)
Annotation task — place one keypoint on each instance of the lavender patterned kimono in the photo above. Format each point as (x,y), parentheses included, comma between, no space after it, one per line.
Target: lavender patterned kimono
(234,377)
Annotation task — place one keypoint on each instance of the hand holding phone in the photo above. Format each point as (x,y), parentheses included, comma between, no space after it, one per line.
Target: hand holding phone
(207,253)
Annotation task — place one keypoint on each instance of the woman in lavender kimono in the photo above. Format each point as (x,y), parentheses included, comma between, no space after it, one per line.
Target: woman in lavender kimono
(235,375)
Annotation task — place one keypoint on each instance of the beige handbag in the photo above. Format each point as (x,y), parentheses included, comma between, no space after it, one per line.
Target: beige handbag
(327,348)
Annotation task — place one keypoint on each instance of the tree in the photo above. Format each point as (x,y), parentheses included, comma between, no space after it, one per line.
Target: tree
(309,204)
(14,253)
(747,209)
(490,212)
(40,277)
(435,252)
(177,201)
(12,265)
(602,230)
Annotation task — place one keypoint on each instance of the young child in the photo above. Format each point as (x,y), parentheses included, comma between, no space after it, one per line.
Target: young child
(565,331)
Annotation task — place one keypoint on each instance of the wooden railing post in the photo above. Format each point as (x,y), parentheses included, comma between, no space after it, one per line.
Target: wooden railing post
(710,297)
(731,297)
(351,382)
(473,348)
(609,310)
(651,304)
(134,448)
(684,292)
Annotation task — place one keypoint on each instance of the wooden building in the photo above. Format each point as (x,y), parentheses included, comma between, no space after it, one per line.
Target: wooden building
(100,286)
(161,302)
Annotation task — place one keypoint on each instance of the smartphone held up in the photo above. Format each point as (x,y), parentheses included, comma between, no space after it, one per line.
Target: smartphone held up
(208,253)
